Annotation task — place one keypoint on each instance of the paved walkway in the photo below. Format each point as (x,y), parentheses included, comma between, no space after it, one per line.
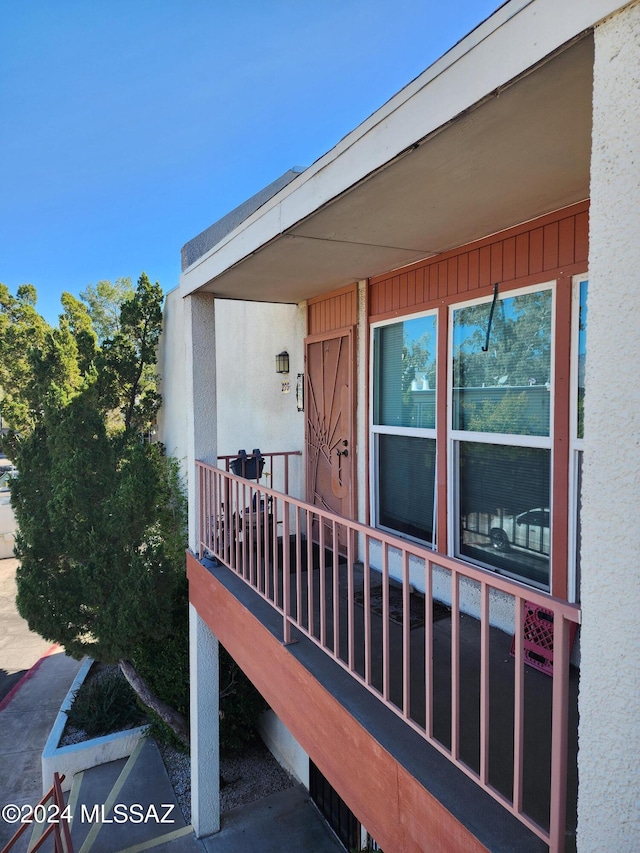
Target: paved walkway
(34,679)
(25,722)
(20,648)
(286,821)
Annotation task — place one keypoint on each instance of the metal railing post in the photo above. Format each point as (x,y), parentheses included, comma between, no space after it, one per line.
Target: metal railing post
(286,577)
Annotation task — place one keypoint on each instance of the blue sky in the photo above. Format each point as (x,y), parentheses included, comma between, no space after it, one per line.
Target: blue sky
(129,126)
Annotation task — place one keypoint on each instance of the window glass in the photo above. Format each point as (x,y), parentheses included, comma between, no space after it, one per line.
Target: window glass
(405,374)
(578,525)
(582,354)
(505,389)
(504,496)
(406,478)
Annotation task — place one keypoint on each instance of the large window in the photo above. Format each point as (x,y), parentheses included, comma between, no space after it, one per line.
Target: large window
(579,363)
(403,426)
(501,405)
(503,477)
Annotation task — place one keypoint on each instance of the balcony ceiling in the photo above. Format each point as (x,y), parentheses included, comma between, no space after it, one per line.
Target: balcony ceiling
(523,152)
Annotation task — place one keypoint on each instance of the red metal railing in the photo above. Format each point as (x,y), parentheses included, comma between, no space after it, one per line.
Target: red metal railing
(50,811)
(247,527)
(277,468)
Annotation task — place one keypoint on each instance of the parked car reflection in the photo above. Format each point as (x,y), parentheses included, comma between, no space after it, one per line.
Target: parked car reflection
(528,530)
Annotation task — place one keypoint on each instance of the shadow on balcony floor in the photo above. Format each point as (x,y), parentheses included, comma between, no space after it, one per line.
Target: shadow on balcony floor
(370,637)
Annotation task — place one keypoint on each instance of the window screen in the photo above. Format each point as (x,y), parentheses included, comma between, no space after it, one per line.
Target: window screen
(406,477)
(504,508)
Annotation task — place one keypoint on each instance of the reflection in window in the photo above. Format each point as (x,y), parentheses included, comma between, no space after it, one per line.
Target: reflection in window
(506,389)
(582,354)
(405,373)
(404,420)
(578,544)
(406,482)
(579,368)
(504,508)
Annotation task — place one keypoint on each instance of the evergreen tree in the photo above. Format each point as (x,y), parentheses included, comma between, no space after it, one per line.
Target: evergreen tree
(103,304)
(100,512)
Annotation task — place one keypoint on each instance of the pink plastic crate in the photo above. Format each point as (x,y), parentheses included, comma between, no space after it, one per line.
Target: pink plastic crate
(538,637)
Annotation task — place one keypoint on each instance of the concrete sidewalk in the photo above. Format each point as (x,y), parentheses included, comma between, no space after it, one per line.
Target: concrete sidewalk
(286,821)
(26,719)
(20,648)
(128,805)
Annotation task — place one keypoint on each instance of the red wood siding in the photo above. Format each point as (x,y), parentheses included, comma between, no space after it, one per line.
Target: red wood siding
(390,802)
(553,245)
(337,310)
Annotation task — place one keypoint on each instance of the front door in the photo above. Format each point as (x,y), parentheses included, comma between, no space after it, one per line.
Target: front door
(330,421)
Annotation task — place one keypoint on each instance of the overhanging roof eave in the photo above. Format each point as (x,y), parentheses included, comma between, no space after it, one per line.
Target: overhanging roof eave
(481,63)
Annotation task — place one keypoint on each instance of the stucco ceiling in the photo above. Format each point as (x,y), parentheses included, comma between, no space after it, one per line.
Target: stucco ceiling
(521,153)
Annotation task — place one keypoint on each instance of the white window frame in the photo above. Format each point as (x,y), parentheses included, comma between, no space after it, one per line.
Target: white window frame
(576,445)
(375,430)
(456,436)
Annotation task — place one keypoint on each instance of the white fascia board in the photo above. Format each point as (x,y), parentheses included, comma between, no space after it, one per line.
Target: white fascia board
(515,38)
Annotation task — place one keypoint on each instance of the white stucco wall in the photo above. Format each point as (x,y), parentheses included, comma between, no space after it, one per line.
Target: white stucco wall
(284,747)
(252,410)
(609,698)
(172,417)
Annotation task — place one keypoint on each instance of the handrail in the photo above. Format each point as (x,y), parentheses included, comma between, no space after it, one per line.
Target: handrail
(270,473)
(58,826)
(242,524)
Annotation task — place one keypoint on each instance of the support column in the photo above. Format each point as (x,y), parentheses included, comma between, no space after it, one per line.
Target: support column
(200,350)
(205,722)
(609,697)
(201,411)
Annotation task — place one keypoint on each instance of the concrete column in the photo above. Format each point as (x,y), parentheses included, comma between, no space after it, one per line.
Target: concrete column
(199,331)
(172,417)
(609,697)
(201,412)
(205,722)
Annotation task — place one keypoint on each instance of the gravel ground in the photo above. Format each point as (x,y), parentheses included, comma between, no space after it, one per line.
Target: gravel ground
(98,671)
(247,777)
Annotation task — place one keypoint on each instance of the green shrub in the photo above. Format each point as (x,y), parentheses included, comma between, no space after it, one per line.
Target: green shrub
(164,663)
(240,705)
(105,704)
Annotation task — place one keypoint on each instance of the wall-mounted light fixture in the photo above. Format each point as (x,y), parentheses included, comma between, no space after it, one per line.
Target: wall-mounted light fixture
(282,362)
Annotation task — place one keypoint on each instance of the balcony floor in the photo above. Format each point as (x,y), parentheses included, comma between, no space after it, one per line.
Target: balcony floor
(537,687)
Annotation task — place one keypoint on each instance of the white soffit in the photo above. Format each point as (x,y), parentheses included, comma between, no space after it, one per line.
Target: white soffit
(367,207)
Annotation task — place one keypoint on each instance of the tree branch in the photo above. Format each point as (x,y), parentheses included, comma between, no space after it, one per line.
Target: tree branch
(176,722)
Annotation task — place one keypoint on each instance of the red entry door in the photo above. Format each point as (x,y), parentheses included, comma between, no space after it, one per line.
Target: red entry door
(330,421)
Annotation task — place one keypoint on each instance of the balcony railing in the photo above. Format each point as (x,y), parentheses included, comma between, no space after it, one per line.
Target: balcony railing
(351,589)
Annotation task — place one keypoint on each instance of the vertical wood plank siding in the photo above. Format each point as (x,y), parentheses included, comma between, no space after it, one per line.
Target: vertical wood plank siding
(556,243)
(336,310)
